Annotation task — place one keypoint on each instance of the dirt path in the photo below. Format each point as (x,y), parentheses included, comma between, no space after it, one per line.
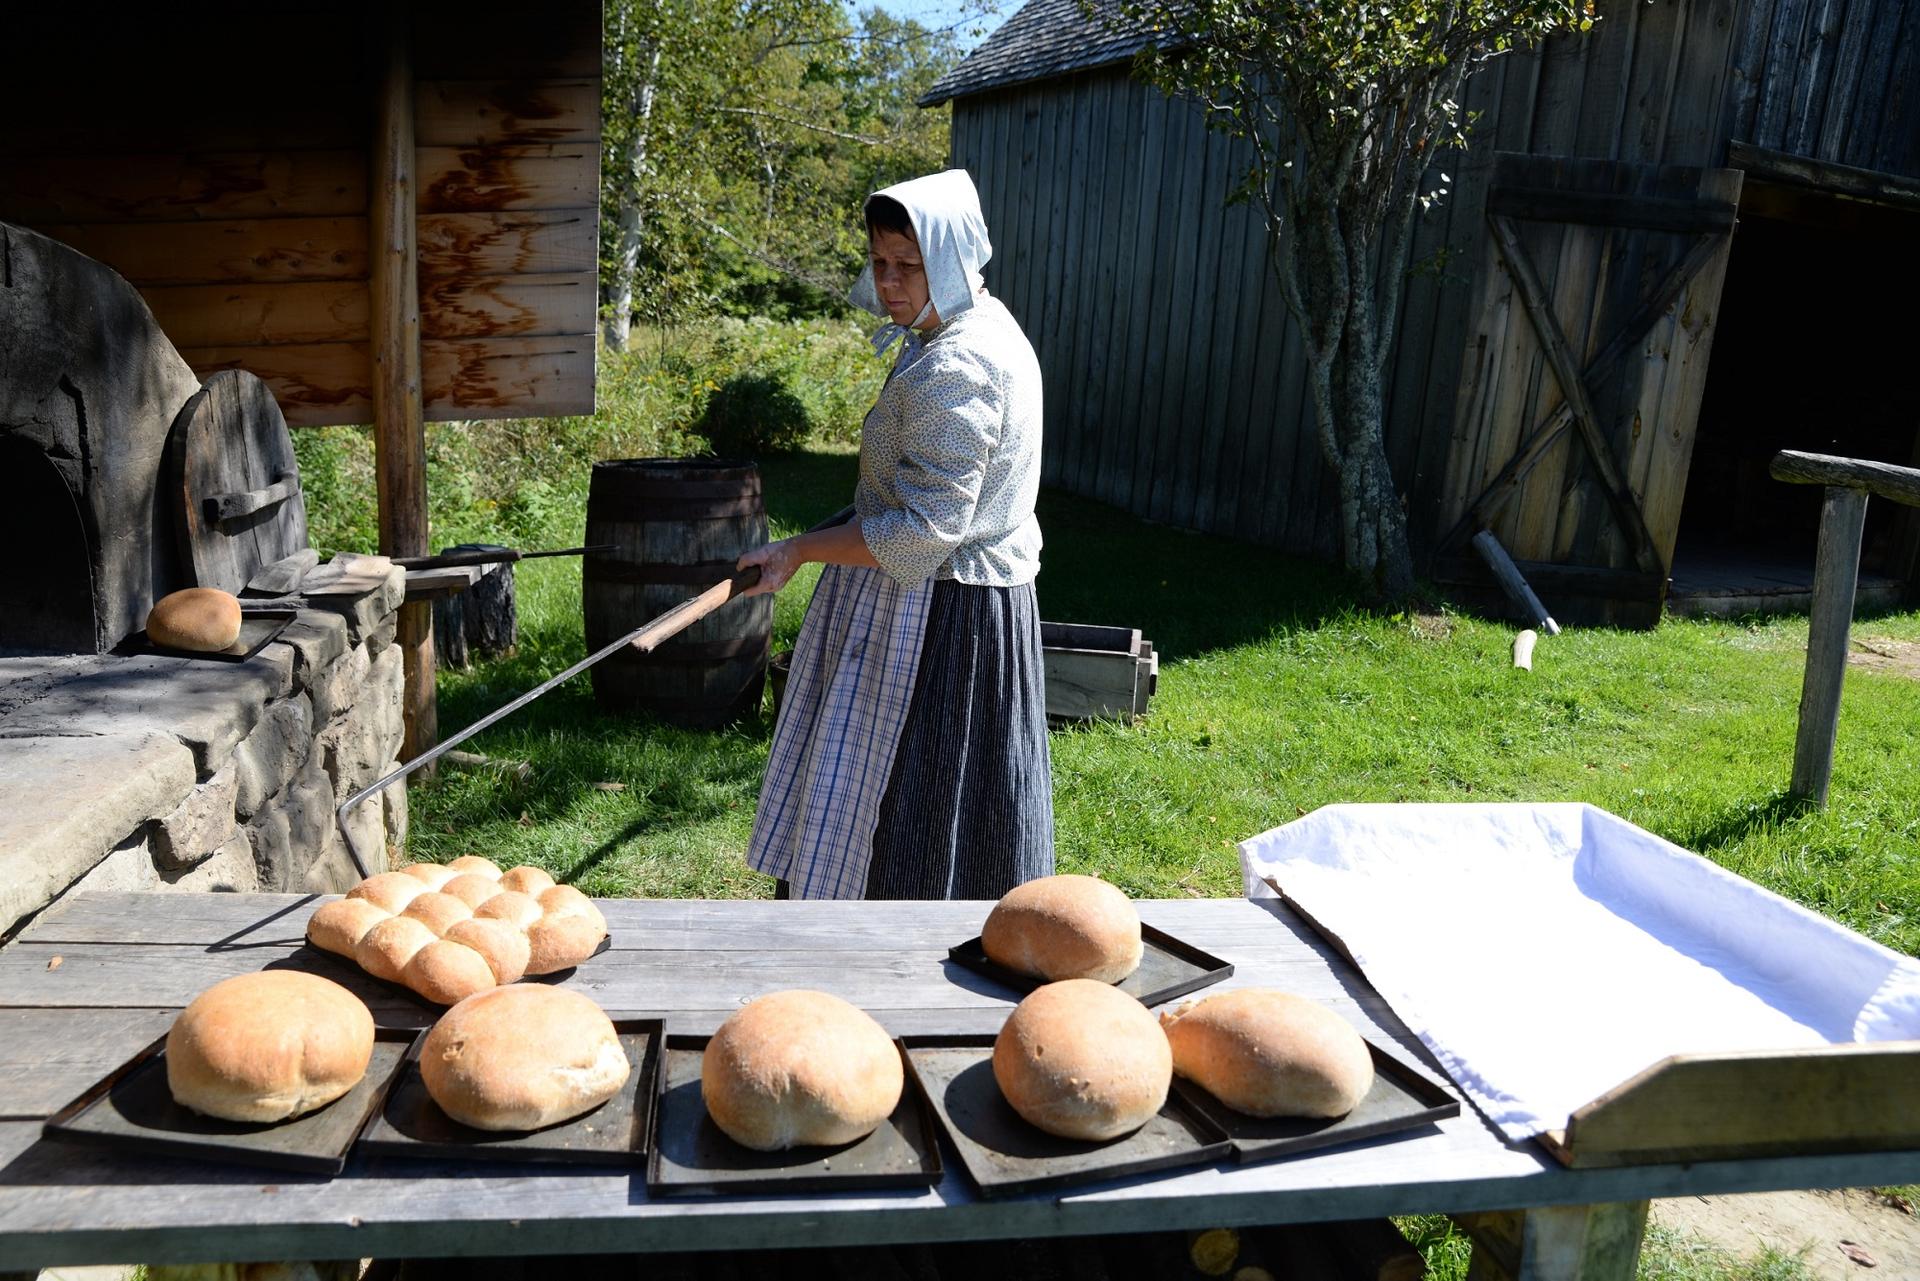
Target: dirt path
(1886,654)
(1818,1221)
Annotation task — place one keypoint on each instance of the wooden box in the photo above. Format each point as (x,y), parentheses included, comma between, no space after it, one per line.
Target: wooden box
(1095,672)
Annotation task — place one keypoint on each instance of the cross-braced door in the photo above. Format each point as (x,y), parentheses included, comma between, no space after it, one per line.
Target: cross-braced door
(1582,379)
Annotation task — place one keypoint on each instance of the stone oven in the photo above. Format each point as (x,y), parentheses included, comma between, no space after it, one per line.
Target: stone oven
(125,769)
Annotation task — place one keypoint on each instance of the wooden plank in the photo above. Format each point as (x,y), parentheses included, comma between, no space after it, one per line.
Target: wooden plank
(1184,312)
(236,315)
(1784,40)
(1112,142)
(529,242)
(315,383)
(1899,484)
(1696,123)
(1610,209)
(507,377)
(1849,62)
(1824,176)
(1076,278)
(1652,89)
(48,1058)
(1558,1243)
(1195,375)
(1896,115)
(1611,68)
(219,251)
(500,177)
(500,41)
(1034,131)
(1118,233)
(1813,75)
(1246,432)
(1170,251)
(1748,65)
(1836,573)
(1860,1097)
(1054,338)
(1861,145)
(1145,193)
(1084,685)
(496,306)
(463,113)
(204,185)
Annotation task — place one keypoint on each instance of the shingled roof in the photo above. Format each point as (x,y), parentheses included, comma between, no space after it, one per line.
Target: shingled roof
(1046,38)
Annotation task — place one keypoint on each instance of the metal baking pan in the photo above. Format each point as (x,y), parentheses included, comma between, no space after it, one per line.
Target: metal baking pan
(258,628)
(353,966)
(1168,968)
(1004,1154)
(133,1110)
(615,1133)
(691,1153)
(1401,1100)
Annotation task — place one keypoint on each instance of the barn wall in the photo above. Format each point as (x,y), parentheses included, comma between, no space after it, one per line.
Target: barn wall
(221,165)
(1175,380)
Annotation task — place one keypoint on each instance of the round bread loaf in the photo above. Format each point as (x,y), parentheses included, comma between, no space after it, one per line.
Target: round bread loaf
(340,925)
(1083,1060)
(1065,927)
(522,1057)
(202,619)
(268,1046)
(799,1068)
(1270,1053)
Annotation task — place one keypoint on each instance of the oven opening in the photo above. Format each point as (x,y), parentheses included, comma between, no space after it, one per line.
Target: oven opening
(46,593)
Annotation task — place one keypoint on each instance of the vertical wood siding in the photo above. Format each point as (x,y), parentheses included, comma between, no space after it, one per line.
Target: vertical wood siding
(1176,383)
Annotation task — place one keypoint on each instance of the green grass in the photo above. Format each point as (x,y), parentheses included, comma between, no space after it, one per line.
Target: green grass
(1665,1255)
(1277,694)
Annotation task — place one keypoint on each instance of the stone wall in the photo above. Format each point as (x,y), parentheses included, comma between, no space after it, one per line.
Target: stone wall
(152,773)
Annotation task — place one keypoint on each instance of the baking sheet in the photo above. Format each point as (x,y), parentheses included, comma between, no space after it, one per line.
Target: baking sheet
(1401,1101)
(692,1154)
(1559,921)
(617,1132)
(1169,968)
(133,1110)
(1004,1155)
(258,629)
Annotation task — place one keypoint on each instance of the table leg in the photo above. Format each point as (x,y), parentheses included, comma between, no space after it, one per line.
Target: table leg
(1557,1243)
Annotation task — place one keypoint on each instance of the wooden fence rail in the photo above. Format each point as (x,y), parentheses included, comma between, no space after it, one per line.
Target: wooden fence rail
(1836,574)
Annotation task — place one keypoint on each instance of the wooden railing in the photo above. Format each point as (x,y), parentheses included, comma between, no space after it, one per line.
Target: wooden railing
(1836,574)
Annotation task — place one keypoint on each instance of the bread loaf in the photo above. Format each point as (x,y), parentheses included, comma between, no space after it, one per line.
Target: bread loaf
(265,1047)
(800,1068)
(1270,1053)
(203,619)
(522,1057)
(1065,927)
(1083,1060)
(493,933)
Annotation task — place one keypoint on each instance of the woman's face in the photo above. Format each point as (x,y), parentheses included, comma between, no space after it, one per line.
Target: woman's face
(899,276)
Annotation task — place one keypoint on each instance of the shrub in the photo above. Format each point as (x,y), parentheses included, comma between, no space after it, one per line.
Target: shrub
(751,414)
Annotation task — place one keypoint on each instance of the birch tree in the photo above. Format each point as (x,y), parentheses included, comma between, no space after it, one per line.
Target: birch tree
(1347,107)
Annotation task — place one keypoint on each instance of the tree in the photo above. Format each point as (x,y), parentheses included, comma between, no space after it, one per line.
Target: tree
(1346,105)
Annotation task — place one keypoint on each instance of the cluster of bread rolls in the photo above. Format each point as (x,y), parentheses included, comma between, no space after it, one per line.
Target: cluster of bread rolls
(450,930)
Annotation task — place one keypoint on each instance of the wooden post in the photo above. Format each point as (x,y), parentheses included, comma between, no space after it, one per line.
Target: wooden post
(1836,573)
(1512,582)
(400,443)
(1557,1243)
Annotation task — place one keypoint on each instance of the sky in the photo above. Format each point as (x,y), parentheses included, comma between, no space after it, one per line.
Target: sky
(942,13)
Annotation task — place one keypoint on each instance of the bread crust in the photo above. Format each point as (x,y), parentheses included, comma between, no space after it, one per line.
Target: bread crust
(522,1057)
(202,619)
(389,891)
(1065,927)
(269,1046)
(384,950)
(1270,1054)
(1083,1060)
(800,1068)
(339,926)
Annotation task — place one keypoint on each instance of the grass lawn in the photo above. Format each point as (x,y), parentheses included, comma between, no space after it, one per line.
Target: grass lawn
(1277,694)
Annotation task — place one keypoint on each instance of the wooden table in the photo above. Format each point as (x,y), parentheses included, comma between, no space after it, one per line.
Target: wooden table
(101,975)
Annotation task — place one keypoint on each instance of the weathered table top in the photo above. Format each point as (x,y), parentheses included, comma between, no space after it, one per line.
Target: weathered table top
(127,962)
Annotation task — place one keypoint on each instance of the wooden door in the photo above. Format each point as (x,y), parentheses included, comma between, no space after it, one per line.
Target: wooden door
(1581,381)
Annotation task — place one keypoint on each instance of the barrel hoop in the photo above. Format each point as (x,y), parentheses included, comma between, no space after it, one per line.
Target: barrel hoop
(641,488)
(645,513)
(703,573)
(676,651)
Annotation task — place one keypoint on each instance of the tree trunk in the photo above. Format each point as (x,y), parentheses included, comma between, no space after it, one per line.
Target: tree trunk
(618,295)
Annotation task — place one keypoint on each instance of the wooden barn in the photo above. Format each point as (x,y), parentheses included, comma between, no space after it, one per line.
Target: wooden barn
(389,213)
(1692,214)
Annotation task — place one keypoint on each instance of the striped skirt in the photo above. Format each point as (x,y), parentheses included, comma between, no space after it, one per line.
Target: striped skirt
(968,809)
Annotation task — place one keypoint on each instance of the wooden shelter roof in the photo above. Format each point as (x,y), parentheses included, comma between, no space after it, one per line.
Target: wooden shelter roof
(1046,38)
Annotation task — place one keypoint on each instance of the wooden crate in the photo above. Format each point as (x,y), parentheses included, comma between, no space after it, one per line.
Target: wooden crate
(1094,672)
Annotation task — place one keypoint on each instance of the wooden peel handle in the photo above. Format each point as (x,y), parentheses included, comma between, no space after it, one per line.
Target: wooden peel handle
(688,612)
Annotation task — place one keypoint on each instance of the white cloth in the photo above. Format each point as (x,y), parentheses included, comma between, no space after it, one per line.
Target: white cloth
(1547,953)
(944,209)
(847,697)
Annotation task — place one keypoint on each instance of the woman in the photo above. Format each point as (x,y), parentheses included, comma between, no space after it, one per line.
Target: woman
(910,756)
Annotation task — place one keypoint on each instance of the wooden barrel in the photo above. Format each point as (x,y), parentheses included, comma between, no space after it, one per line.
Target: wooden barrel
(677,526)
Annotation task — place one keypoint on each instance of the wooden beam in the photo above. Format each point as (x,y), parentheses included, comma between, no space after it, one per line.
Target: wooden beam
(1883,480)
(400,442)
(1612,209)
(1540,310)
(1823,175)
(1836,573)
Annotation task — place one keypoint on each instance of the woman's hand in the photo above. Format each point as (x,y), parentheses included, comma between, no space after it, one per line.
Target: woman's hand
(777,561)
